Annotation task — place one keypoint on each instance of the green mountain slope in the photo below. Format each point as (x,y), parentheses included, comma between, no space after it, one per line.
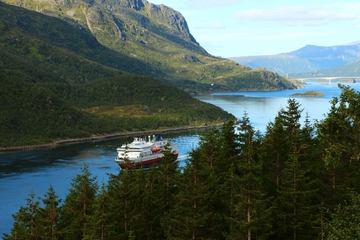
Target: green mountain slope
(59,84)
(42,113)
(57,49)
(157,39)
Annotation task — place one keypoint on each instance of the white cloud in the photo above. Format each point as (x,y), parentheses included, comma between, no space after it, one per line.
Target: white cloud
(345,7)
(294,15)
(217,25)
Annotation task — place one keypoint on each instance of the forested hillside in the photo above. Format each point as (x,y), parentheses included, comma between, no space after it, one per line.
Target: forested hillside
(42,113)
(294,181)
(58,82)
(133,36)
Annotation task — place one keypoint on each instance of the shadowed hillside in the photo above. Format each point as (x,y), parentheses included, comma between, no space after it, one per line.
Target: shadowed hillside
(152,40)
(58,82)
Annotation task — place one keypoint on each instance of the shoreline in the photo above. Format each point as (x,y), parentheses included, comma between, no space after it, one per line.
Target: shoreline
(101,137)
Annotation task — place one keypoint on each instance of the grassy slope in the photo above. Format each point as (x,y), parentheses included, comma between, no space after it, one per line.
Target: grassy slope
(51,89)
(145,35)
(34,114)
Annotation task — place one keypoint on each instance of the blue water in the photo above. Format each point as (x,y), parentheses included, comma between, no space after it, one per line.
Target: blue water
(262,107)
(33,171)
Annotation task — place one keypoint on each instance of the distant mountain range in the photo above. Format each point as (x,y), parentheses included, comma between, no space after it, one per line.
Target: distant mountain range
(342,60)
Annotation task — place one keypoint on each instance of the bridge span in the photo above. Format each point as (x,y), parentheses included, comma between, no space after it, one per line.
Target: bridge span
(329,79)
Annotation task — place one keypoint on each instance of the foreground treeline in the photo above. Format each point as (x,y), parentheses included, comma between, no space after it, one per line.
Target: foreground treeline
(297,180)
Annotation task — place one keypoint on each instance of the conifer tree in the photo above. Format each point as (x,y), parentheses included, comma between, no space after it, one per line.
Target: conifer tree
(223,148)
(49,215)
(249,206)
(149,196)
(100,224)
(125,193)
(227,170)
(75,221)
(300,186)
(26,224)
(311,158)
(148,224)
(198,211)
(168,174)
(338,134)
(229,148)
(273,155)
(345,220)
(167,179)
(193,212)
(294,188)
(298,200)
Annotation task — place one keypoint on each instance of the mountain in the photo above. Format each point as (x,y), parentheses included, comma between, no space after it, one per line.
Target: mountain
(350,70)
(152,40)
(307,59)
(58,82)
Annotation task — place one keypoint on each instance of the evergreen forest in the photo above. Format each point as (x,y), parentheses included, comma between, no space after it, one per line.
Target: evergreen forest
(296,180)
(46,112)
(57,82)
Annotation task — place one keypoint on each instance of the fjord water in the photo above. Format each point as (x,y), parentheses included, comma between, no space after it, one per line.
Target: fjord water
(262,107)
(22,173)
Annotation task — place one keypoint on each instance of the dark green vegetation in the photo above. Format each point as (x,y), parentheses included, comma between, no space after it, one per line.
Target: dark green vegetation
(309,94)
(58,82)
(59,79)
(295,181)
(128,35)
(44,112)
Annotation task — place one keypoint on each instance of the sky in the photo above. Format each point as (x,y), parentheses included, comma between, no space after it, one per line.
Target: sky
(236,28)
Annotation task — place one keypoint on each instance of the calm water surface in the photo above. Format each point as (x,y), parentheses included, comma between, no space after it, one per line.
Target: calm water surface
(262,107)
(33,171)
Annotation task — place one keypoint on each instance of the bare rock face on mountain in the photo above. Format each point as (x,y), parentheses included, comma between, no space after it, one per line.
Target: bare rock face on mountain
(131,20)
(134,4)
(172,18)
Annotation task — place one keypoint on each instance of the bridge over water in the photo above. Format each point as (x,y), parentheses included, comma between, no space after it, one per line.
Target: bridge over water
(330,79)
